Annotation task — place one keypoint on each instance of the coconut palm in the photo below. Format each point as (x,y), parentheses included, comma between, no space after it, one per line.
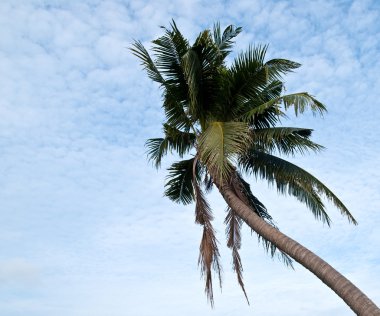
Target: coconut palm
(223,122)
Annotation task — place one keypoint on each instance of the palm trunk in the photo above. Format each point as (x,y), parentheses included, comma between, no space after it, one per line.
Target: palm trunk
(354,298)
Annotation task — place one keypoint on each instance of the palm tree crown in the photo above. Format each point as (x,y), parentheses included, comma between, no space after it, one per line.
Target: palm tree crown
(225,120)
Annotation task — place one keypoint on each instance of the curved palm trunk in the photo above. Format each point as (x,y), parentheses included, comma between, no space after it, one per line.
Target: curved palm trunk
(354,298)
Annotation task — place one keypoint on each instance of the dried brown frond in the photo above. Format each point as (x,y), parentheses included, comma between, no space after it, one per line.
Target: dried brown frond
(234,223)
(208,249)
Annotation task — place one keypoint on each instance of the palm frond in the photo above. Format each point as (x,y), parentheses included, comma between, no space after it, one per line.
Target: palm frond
(269,116)
(248,74)
(224,41)
(300,101)
(179,141)
(220,142)
(233,228)
(157,148)
(286,140)
(175,109)
(279,67)
(193,74)
(251,60)
(174,140)
(169,50)
(295,181)
(146,61)
(179,182)
(211,65)
(208,250)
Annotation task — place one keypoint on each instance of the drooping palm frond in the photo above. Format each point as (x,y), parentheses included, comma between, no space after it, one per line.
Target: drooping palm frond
(300,101)
(208,249)
(278,67)
(174,140)
(179,182)
(293,180)
(157,148)
(233,228)
(146,61)
(220,142)
(286,140)
(180,142)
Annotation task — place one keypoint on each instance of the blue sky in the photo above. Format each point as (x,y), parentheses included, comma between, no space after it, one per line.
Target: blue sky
(85,229)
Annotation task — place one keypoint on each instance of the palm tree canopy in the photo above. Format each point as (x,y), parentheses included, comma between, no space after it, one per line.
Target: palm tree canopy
(226,118)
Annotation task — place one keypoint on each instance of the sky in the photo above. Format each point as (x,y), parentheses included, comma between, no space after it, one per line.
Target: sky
(84,227)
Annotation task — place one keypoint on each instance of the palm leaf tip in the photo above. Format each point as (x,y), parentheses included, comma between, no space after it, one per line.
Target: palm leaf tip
(179,187)
(156,149)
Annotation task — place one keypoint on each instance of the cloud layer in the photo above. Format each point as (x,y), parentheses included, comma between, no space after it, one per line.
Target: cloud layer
(84,227)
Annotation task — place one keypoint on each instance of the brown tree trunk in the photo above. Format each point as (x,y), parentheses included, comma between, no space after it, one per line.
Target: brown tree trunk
(354,298)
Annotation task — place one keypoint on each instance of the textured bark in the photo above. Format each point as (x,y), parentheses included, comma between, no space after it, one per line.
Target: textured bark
(354,298)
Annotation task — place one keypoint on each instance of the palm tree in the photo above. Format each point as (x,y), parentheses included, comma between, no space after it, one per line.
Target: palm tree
(225,120)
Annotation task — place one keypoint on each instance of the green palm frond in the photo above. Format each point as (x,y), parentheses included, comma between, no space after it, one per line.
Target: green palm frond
(264,93)
(295,181)
(252,60)
(224,41)
(175,110)
(209,85)
(300,101)
(157,148)
(248,74)
(179,141)
(174,140)
(233,232)
(146,61)
(270,91)
(179,185)
(193,74)
(279,67)
(169,50)
(286,140)
(220,142)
